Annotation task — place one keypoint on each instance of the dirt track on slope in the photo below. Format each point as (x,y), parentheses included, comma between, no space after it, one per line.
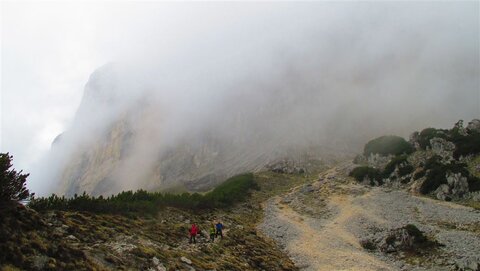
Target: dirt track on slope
(330,241)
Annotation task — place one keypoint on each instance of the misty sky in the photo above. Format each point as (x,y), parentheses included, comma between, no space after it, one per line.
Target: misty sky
(49,49)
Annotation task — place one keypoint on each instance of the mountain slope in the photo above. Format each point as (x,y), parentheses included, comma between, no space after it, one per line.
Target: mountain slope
(325,225)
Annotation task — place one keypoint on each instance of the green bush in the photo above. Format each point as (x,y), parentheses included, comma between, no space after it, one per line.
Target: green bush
(466,144)
(416,233)
(228,193)
(473,183)
(405,170)
(386,145)
(360,173)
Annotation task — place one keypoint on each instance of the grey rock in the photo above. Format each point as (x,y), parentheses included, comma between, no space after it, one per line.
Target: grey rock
(443,148)
(73,238)
(475,196)
(458,184)
(378,161)
(442,192)
(186,260)
(39,262)
(456,188)
(307,189)
(414,140)
(158,265)
(474,126)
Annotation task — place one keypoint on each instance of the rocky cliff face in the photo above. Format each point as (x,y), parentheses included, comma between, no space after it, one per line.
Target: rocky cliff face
(126,137)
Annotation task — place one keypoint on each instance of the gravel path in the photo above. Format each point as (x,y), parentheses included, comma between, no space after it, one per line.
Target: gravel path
(330,241)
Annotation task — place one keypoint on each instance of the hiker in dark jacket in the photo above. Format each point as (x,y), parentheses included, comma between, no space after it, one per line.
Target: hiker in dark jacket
(194,230)
(219,229)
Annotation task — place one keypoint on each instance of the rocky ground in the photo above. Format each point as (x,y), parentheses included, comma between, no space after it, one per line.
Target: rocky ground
(295,220)
(57,240)
(322,224)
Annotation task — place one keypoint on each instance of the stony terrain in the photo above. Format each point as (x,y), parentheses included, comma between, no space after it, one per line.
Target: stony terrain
(298,219)
(58,240)
(321,225)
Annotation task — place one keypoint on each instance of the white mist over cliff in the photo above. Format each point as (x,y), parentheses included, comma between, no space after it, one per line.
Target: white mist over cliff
(229,87)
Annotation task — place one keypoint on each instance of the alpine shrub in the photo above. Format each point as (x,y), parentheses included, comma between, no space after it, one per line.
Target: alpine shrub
(386,145)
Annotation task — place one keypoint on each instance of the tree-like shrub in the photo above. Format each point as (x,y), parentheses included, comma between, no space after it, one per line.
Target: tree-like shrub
(386,145)
(12,183)
(466,144)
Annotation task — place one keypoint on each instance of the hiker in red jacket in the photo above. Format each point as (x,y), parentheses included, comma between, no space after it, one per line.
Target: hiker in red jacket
(194,230)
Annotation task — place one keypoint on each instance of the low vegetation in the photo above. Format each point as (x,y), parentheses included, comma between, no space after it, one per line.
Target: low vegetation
(228,193)
(386,145)
(436,172)
(69,234)
(465,143)
(457,142)
(362,173)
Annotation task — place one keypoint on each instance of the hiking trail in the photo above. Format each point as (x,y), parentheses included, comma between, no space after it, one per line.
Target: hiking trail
(328,237)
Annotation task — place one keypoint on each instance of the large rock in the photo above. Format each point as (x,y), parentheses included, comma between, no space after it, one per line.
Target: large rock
(378,161)
(287,166)
(414,140)
(407,238)
(473,126)
(158,266)
(459,127)
(455,188)
(458,184)
(443,192)
(443,148)
(186,260)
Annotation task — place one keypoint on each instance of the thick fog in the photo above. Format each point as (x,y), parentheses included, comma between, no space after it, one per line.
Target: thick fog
(265,78)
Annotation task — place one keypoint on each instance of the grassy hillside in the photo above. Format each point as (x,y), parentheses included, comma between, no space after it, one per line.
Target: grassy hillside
(59,237)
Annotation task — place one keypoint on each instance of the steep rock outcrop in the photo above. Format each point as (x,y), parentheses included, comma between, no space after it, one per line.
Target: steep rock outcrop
(126,136)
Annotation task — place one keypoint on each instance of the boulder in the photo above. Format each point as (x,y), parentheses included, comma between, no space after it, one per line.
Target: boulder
(458,184)
(459,127)
(407,238)
(443,148)
(158,266)
(414,140)
(443,192)
(286,166)
(455,188)
(378,161)
(473,126)
(475,196)
(186,260)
